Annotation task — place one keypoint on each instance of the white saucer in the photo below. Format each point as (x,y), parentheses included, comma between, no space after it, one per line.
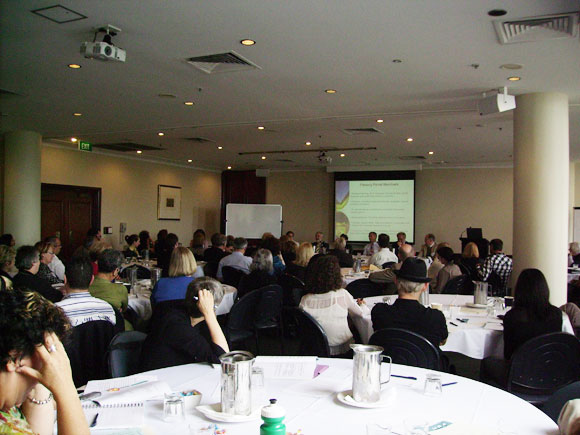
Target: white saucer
(472,305)
(213,412)
(386,400)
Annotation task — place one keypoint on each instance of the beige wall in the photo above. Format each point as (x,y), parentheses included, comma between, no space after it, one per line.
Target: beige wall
(447,201)
(129,191)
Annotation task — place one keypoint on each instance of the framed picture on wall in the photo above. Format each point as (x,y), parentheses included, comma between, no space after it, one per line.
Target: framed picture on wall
(168,203)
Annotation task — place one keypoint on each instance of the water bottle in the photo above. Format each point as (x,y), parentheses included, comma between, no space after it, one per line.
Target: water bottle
(273,416)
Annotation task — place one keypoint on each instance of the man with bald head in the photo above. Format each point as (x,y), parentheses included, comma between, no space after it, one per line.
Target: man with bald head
(387,276)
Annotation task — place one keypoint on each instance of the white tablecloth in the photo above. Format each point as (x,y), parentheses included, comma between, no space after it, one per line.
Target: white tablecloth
(312,405)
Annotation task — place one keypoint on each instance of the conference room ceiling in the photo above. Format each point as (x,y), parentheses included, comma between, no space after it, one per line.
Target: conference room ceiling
(420,66)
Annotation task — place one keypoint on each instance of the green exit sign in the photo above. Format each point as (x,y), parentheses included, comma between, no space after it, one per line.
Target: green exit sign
(85,146)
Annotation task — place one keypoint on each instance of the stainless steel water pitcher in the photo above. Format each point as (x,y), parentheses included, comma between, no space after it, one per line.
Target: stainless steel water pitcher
(480,292)
(236,382)
(366,376)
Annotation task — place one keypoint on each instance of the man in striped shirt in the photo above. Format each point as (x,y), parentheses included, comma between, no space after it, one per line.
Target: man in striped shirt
(78,304)
(497,263)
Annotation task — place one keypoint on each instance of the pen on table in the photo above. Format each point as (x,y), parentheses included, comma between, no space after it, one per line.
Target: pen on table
(413,378)
(94,422)
(449,383)
(454,324)
(127,386)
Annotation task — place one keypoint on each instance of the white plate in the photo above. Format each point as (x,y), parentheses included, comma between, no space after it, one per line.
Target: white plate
(346,398)
(213,412)
(472,305)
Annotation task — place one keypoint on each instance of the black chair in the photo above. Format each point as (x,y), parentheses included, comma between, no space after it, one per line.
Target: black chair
(495,282)
(554,404)
(119,320)
(210,269)
(231,276)
(124,353)
(457,286)
(388,264)
(142,272)
(269,313)
(313,339)
(240,324)
(364,288)
(292,288)
(542,365)
(87,348)
(408,348)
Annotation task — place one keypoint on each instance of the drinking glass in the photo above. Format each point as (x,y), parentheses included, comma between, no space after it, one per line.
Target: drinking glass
(173,407)
(415,426)
(432,385)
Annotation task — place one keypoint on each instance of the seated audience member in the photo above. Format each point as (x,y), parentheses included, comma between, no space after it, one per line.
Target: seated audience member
(319,245)
(7,256)
(198,244)
(470,260)
(187,334)
(102,287)
(449,271)
(407,313)
(56,266)
(290,235)
(94,252)
(339,251)
(401,240)
(330,304)
(182,271)
(497,263)
(93,235)
(170,242)
(387,275)
(217,251)
(28,263)
(7,239)
(46,256)
(574,254)
(434,268)
(569,418)
(372,246)
(35,373)
(383,254)
(531,315)
(229,244)
(160,242)
(261,273)
(236,259)
(348,247)
(78,304)
(303,255)
(288,249)
(273,245)
(573,313)
(131,251)
(145,243)
(429,248)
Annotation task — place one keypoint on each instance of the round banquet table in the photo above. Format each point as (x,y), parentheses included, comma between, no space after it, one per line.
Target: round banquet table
(312,406)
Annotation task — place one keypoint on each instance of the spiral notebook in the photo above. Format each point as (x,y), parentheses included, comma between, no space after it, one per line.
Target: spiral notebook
(122,401)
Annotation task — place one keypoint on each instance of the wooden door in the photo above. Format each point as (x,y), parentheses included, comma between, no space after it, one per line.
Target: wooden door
(68,212)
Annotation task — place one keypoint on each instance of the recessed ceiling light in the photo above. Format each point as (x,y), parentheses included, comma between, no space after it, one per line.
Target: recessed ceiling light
(73,139)
(497,13)
(330,91)
(514,78)
(263,157)
(139,151)
(308,143)
(74,66)
(247,42)
(409,139)
(189,160)
(397,61)
(261,127)
(342,154)
(220,147)
(188,103)
(77,114)
(229,167)
(511,66)
(431,153)
(160,134)
(380,120)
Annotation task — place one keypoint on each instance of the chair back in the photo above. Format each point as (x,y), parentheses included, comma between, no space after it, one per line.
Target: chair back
(124,353)
(243,314)
(292,288)
(142,272)
(269,311)
(364,288)
(545,363)
(407,348)
(231,276)
(210,269)
(313,339)
(86,349)
(388,264)
(457,286)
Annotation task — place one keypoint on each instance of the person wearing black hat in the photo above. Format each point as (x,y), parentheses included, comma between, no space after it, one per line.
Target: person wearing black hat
(407,313)
(449,271)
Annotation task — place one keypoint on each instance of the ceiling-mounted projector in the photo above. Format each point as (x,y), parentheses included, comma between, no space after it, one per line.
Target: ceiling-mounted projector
(104,50)
(499,102)
(323,159)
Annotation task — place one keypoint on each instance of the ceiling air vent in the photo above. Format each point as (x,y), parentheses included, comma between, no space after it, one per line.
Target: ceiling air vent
(221,62)
(284,160)
(359,131)
(199,140)
(126,147)
(411,157)
(537,28)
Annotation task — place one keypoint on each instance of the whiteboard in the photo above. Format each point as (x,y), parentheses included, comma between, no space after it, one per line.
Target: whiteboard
(253,220)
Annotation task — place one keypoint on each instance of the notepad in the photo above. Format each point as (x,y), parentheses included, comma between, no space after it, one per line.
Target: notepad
(287,367)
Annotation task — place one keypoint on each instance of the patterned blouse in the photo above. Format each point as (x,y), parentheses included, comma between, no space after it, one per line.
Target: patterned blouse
(45,273)
(14,423)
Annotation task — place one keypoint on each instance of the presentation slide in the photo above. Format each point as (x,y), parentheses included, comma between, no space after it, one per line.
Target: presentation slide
(382,206)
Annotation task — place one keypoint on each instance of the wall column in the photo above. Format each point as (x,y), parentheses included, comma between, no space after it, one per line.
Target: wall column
(22,152)
(541,188)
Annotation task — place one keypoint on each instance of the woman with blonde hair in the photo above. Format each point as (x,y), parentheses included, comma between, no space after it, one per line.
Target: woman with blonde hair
(182,270)
(303,255)
(469,260)
(7,256)
(46,255)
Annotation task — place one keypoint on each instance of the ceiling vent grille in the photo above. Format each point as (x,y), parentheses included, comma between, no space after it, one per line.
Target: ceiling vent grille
(412,158)
(537,28)
(199,140)
(126,147)
(360,131)
(221,62)
(284,160)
